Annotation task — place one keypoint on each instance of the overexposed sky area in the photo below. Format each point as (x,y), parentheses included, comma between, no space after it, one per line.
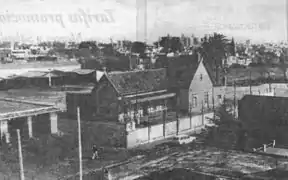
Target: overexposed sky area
(258,20)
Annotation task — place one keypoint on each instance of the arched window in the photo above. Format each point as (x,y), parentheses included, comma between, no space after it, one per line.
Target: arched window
(201,77)
(194,101)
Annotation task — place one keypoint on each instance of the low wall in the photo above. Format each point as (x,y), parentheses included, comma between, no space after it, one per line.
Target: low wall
(171,128)
(155,132)
(137,137)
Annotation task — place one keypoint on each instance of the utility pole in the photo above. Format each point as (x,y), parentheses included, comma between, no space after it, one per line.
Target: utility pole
(80,144)
(164,118)
(234,99)
(213,102)
(202,112)
(269,81)
(49,78)
(250,83)
(22,177)
(190,115)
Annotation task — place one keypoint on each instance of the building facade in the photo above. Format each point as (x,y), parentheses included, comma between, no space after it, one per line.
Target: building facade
(132,94)
(31,119)
(195,85)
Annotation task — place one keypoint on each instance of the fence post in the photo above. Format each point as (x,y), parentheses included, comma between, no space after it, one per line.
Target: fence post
(264,147)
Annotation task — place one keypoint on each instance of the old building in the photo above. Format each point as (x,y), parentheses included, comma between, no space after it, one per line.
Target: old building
(122,94)
(193,82)
(139,105)
(31,119)
(265,117)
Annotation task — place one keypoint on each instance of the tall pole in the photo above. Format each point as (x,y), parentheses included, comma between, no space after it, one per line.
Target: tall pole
(269,79)
(250,83)
(50,78)
(22,177)
(234,99)
(164,118)
(80,144)
(141,21)
(202,112)
(213,102)
(190,115)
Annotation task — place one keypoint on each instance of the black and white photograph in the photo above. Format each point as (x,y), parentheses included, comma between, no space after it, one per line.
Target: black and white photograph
(144,90)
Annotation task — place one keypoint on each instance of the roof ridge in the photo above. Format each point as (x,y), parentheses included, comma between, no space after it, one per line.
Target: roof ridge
(145,70)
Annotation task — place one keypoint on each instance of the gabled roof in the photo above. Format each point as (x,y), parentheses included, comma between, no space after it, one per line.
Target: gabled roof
(135,82)
(181,70)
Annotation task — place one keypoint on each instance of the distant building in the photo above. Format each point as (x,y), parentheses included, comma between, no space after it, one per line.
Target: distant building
(20,54)
(5,55)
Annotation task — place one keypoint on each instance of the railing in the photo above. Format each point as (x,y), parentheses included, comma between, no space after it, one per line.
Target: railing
(264,147)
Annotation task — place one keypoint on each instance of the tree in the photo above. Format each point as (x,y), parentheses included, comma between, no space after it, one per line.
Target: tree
(51,52)
(226,130)
(91,45)
(170,44)
(214,49)
(127,44)
(58,45)
(138,47)
(232,47)
(108,49)
(83,53)
(34,51)
(282,60)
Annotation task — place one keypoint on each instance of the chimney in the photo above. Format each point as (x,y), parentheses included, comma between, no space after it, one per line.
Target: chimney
(199,57)
(141,20)
(105,70)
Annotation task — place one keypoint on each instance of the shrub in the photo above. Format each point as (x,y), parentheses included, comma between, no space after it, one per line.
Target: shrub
(234,65)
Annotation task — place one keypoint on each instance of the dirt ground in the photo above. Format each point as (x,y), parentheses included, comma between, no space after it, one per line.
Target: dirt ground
(70,164)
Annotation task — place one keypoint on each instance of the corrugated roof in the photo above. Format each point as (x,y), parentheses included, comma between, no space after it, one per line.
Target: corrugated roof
(41,74)
(133,82)
(13,109)
(30,74)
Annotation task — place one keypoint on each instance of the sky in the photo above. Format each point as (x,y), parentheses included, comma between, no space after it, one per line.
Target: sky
(258,20)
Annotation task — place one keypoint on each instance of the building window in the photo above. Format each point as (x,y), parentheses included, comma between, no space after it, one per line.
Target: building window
(201,77)
(219,97)
(194,102)
(206,98)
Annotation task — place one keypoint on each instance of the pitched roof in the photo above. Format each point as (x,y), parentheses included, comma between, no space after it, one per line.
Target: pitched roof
(210,72)
(133,82)
(263,108)
(252,100)
(83,71)
(181,70)
(40,74)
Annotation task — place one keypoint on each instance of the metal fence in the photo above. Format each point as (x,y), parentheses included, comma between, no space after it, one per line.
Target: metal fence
(265,146)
